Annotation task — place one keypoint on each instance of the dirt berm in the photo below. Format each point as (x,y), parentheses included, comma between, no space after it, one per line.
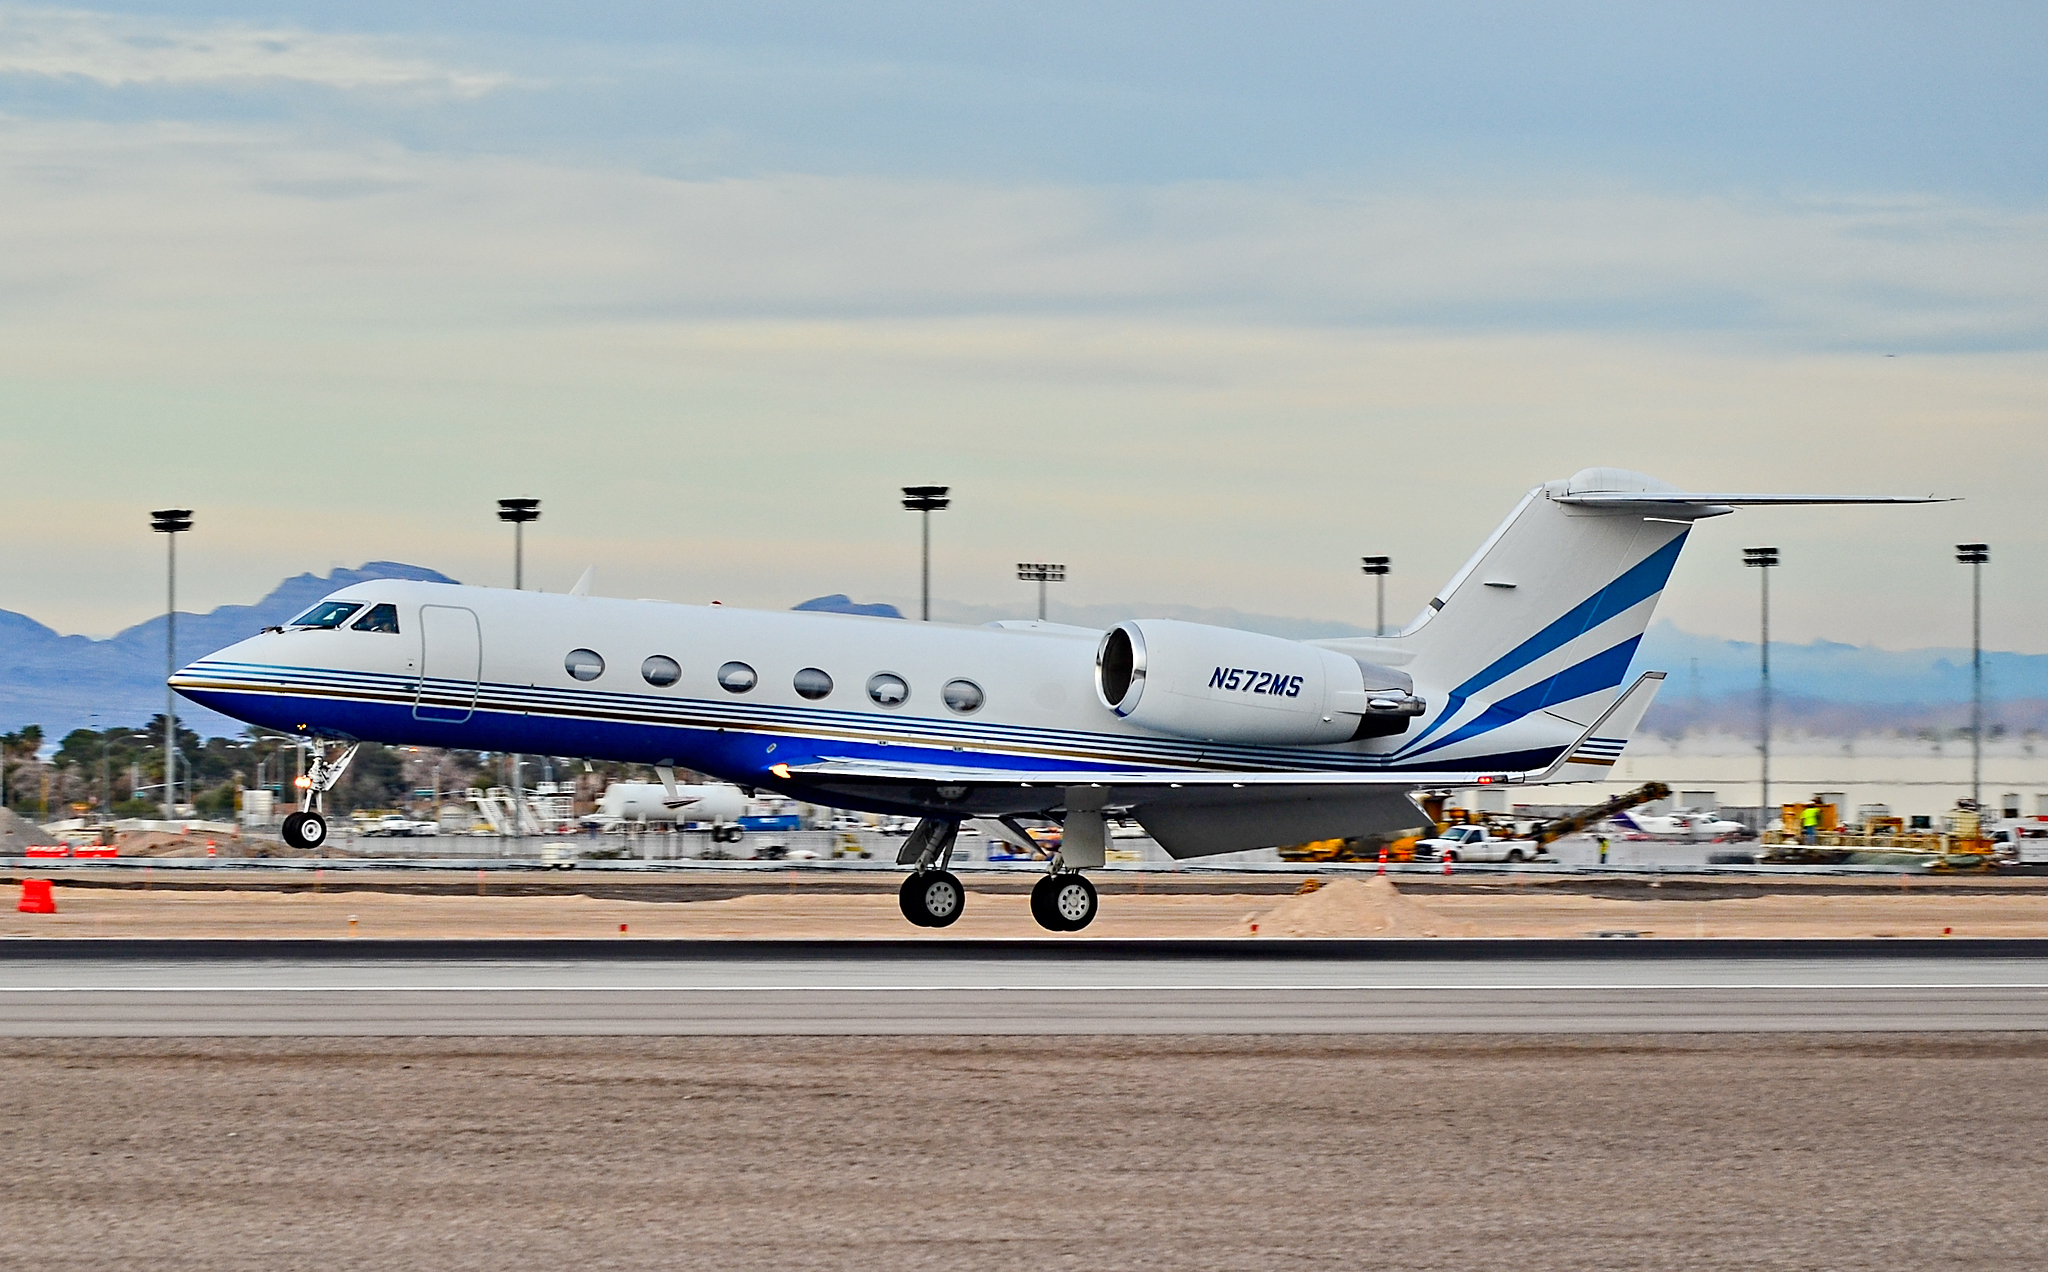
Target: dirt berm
(1356,907)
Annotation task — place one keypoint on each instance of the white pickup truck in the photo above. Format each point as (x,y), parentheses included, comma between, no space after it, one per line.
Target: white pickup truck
(1476,843)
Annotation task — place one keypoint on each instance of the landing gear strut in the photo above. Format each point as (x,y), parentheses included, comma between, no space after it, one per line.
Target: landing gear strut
(931,896)
(307,830)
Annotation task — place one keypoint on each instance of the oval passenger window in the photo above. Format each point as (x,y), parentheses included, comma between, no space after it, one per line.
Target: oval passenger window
(737,677)
(584,664)
(661,671)
(812,683)
(963,696)
(888,689)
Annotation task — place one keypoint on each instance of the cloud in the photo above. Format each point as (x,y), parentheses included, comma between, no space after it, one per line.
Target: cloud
(120,50)
(104,214)
(1205,393)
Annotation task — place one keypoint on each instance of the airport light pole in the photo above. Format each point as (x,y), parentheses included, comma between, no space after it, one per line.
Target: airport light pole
(1379,567)
(1763,559)
(1042,573)
(1976,556)
(926,500)
(518,512)
(170,523)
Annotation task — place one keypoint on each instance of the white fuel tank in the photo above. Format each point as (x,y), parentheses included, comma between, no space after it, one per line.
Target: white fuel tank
(647,801)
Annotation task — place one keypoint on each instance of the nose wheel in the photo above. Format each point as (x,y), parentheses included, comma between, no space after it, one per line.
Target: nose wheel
(1063,902)
(932,898)
(304,831)
(307,830)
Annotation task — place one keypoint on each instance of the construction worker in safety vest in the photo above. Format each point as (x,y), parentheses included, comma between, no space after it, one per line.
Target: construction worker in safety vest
(1809,824)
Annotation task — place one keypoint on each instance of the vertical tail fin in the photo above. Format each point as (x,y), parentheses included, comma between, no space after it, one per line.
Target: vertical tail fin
(1530,642)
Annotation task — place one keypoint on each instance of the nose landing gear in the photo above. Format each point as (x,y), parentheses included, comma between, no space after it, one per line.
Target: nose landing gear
(307,831)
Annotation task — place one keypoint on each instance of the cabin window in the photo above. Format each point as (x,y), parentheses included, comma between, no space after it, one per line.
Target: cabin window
(327,615)
(584,664)
(381,618)
(737,677)
(963,696)
(888,689)
(661,671)
(812,683)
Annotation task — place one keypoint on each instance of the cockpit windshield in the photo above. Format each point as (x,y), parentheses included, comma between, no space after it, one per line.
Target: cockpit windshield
(327,614)
(381,618)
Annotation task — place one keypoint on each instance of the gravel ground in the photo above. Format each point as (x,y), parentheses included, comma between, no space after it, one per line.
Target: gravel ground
(1534,1153)
(804,908)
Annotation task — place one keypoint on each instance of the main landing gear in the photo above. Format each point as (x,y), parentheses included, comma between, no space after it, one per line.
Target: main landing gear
(932,895)
(1063,901)
(307,831)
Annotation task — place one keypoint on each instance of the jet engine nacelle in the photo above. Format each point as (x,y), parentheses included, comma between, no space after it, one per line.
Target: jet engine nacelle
(1222,685)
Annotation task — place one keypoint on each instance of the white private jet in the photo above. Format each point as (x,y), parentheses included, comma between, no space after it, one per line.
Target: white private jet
(1214,740)
(1682,824)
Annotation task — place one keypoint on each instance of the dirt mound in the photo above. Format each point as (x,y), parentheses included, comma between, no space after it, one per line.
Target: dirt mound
(1355,907)
(17,833)
(161,843)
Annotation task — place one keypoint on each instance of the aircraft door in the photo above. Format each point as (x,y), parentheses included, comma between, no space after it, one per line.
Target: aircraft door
(451,664)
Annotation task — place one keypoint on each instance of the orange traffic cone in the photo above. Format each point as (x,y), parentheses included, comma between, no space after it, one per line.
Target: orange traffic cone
(36,898)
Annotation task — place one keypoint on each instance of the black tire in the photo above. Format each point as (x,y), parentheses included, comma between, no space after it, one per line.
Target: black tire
(1515,856)
(1072,901)
(910,897)
(1041,904)
(941,897)
(304,831)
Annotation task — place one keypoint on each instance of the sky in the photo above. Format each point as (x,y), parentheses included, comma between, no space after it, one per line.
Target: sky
(1203,300)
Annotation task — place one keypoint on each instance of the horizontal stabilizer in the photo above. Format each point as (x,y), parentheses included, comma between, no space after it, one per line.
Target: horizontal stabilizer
(1592,757)
(1695,504)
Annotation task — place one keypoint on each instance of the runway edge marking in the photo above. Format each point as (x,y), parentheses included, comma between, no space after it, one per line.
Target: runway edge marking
(1016,949)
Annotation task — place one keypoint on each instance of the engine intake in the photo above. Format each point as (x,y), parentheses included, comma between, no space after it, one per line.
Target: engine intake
(1222,685)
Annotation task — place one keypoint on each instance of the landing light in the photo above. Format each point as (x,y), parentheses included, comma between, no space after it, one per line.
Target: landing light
(780,770)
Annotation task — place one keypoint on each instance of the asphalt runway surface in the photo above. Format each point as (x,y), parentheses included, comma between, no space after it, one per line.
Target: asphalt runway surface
(843,990)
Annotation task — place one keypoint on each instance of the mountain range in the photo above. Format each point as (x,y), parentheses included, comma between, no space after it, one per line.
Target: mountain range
(69,682)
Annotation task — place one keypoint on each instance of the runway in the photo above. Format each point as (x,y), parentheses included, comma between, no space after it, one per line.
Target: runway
(1016,990)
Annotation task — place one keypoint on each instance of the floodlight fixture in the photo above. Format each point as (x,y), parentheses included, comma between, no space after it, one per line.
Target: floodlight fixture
(1379,568)
(1041,573)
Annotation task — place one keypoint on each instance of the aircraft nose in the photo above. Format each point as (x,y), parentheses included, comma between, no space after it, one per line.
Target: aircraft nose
(233,663)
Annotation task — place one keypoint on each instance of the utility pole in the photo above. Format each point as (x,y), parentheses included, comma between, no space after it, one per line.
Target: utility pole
(1042,573)
(170,523)
(518,512)
(926,500)
(1976,556)
(1378,567)
(1763,560)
